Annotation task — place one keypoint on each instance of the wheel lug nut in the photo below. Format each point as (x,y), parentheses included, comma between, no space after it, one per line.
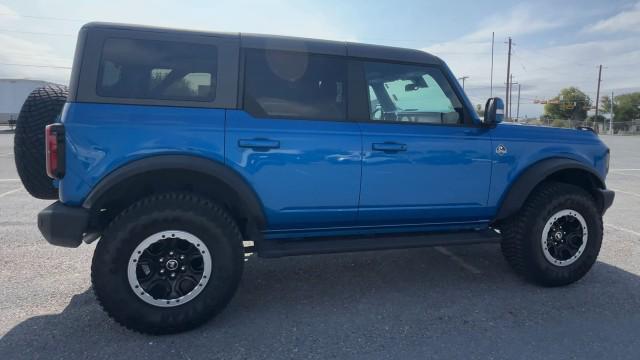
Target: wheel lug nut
(173,275)
(161,271)
(181,257)
(170,253)
(161,259)
(183,268)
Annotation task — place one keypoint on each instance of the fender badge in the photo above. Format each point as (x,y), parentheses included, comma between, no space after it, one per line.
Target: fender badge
(501,150)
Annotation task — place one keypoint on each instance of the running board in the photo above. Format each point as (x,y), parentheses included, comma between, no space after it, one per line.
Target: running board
(280,248)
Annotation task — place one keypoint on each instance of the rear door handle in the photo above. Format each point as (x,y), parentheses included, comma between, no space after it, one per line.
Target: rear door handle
(262,144)
(389,147)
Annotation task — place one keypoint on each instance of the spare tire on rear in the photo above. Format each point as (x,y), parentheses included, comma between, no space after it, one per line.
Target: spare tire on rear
(42,107)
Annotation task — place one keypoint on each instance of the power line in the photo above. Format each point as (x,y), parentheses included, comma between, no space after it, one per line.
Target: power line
(43,17)
(34,32)
(37,65)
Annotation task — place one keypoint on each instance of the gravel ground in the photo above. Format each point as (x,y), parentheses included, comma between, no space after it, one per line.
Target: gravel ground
(451,302)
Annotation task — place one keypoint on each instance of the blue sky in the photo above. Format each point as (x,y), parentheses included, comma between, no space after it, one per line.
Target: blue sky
(558,43)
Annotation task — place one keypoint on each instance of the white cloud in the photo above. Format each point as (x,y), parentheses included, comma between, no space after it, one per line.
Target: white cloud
(542,70)
(7,13)
(521,20)
(627,20)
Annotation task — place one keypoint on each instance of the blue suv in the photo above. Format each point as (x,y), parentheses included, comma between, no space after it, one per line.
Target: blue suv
(182,151)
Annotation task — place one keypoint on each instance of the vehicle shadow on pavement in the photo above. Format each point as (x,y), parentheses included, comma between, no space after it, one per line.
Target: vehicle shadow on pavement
(395,304)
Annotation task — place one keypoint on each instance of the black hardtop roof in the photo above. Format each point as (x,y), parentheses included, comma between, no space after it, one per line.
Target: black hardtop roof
(279,42)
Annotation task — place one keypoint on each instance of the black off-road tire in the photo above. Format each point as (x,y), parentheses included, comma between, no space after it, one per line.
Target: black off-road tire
(42,107)
(522,244)
(172,211)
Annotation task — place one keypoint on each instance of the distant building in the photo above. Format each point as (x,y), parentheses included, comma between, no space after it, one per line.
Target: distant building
(13,92)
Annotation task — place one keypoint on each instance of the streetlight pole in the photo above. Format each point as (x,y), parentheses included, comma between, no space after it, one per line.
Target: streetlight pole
(611,117)
(518,108)
(463,79)
(493,34)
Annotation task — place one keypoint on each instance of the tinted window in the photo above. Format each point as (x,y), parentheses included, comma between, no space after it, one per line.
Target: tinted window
(295,85)
(412,94)
(163,70)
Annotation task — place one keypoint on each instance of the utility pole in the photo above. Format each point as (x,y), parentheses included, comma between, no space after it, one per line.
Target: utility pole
(595,120)
(518,108)
(463,79)
(508,75)
(611,117)
(493,34)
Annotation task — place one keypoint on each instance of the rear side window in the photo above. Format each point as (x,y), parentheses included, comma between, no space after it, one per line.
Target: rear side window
(283,84)
(161,70)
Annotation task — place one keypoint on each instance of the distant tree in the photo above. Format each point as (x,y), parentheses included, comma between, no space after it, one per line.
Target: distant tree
(480,110)
(570,104)
(605,104)
(627,107)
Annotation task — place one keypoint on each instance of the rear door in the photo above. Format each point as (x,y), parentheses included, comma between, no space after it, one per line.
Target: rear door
(425,163)
(292,141)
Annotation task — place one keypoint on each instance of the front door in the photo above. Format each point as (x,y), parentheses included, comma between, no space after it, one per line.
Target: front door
(425,163)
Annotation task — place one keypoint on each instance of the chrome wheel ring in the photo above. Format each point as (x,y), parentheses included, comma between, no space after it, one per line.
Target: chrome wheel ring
(564,237)
(169,268)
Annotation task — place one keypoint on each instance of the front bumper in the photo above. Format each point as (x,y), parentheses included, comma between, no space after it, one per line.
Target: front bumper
(606,198)
(63,225)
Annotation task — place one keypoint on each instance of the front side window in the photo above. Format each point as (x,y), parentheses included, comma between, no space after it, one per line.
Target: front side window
(296,85)
(410,93)
(160,70)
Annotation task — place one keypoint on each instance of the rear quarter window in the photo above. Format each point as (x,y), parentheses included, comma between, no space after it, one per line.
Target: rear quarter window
(157,70)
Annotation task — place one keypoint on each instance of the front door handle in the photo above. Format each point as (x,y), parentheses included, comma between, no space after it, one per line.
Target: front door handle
(389,147)
(259,144)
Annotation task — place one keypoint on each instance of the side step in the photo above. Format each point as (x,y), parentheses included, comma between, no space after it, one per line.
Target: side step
(280,248)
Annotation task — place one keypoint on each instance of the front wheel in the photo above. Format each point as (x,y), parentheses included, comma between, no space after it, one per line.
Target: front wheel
(168,263)
(555,238)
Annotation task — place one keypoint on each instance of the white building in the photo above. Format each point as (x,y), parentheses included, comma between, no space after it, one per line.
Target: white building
(13,92)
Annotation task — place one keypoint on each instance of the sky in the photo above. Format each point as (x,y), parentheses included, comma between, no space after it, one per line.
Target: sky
(557,43)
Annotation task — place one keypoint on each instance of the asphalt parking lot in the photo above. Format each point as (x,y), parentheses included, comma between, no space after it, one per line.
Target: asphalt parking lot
(453,302)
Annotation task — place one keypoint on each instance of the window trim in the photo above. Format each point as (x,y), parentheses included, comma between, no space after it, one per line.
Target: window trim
(467,119)
(242,87)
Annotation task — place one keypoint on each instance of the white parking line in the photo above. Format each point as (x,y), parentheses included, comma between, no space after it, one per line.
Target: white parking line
(6,154)
(625,174)
(9,180)
(458,260)
(625,192)
(623,229)
(10,192)
(614,170)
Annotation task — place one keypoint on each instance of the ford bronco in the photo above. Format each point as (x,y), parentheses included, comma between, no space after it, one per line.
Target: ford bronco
(182,151)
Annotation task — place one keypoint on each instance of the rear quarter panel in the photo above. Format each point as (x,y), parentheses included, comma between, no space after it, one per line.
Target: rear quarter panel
(100,138)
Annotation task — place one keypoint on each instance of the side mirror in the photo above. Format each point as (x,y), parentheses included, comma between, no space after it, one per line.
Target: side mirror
(493,111)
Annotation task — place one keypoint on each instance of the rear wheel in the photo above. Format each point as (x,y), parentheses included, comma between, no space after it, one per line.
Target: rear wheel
(555,238)
(168,263)
(41,108)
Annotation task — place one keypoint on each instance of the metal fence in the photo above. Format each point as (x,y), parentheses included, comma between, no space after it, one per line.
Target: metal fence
(619,127)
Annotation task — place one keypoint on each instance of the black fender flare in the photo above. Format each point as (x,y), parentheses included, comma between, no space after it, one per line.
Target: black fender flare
(519,191)
(207,167)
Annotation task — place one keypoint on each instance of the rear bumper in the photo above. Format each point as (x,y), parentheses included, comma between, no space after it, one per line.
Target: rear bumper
(63,225)
(606,196)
